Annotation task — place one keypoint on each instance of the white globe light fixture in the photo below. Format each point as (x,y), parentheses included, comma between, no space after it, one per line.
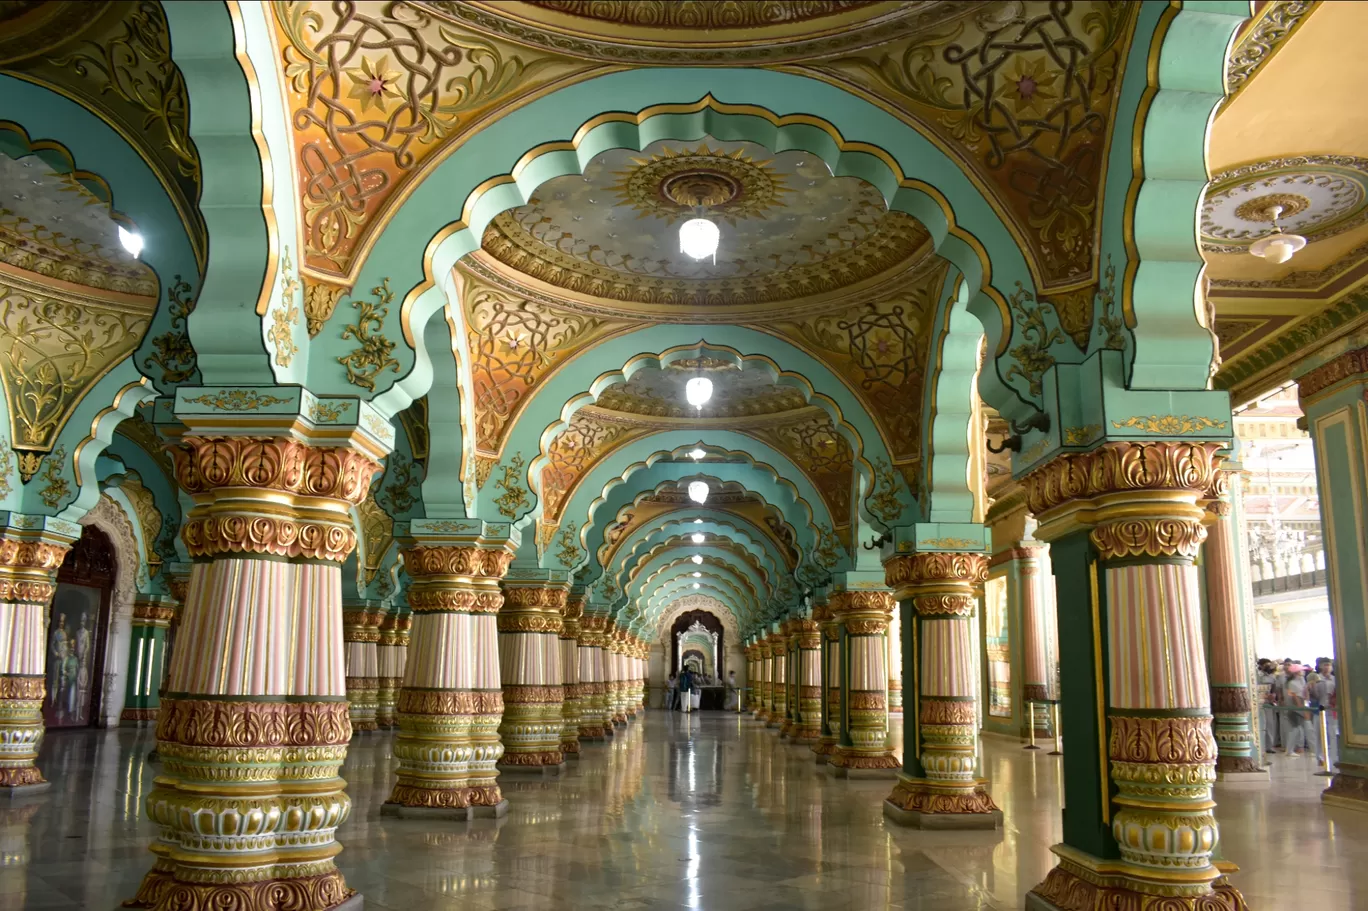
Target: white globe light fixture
(698,390)
(698,491)
(697,559)
(696,585)
(698,239)
(698,521)
(132,241)
(696,454)
(698,575)
(1277,247)
(696,538)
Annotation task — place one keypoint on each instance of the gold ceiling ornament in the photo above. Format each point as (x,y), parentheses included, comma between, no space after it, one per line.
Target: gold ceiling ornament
(286,316)
(172,351)
(1010,90)
(57,347)
(6,466)
(672,184)
(376,533)
(1032,355)
(569,551)
(1169,423)
(149,517)
(373,353)
(607,278)
(1257,44)
(320,300)
(56,487)
(29,463)
(514,342)
(822,452)
(515,496)
(574,451)
(117,61)
(484,466)
(1259,208)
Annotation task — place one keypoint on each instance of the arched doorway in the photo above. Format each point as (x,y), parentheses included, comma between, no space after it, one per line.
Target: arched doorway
(698,633)
(78,631)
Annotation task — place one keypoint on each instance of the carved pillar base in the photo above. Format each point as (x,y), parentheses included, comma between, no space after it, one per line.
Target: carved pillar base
(1081,883)
(926,804)
(1348,789)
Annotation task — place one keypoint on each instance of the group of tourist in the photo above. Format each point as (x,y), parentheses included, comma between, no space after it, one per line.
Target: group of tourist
(684,690)
(1292,694)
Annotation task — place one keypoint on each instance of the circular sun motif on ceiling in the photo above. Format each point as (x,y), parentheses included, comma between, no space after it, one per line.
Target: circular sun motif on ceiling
(1320,195)
(672,184)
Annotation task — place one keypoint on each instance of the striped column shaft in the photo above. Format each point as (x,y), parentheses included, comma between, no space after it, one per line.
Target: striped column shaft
(146,659)
(808,637)
(864,616)
(254,726)
(939,785)
(778,662)
(391,659)
(361,638)
(28,572)
(1232,707)
(573,702)
(831,681)
(787,635)
(766,670)
(530,625)
(895,669)
(591,679)
(1040,640)
(451,701)
(617,676)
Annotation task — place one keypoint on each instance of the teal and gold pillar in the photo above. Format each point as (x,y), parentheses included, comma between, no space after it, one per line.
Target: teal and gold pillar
(451,703)
(30,554)
(152,616)
(863,750)
(830,629)
(361,634)
(1334,396)
(530,626)
(616,673)
(939,786)
(764,670)
(392,658)
(253,729)
(1124,522)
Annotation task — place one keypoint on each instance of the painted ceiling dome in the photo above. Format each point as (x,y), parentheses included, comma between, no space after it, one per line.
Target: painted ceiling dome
(790,230)
(659,392)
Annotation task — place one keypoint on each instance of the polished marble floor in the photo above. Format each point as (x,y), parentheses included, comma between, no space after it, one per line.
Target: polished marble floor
(705,812)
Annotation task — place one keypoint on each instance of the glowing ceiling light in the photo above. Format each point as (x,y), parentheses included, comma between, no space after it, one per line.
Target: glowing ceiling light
(696,454)
(1277,247)
(698,575)
(696,538)
(132,241)
(698,491)
(698,521)
(697,559)
(698,390)
(698,239)
(696,585)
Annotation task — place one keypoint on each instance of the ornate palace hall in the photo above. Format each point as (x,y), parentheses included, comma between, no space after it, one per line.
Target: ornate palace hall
(711,812)
(683,453)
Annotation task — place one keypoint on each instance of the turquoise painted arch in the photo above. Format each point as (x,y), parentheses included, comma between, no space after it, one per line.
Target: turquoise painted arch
(715,524)
(494,171)
(645,477)
(653,448)
(668,563)
(658,601)
(548,410)
(631,577)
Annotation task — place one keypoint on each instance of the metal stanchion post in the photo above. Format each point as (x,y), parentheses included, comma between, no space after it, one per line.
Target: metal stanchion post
(1054,723)
(1030,724)
(1325,745)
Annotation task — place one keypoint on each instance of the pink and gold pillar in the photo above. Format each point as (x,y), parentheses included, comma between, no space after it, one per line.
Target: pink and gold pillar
(530,625)
(862,749)
(830,629)
(451,702)
(573,701)
(254,726)
(617,673)
(29,559)
(392,657)
(807,637)
(778,663)
(1125,522)
(361,635)
(938,787)
(593,687)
